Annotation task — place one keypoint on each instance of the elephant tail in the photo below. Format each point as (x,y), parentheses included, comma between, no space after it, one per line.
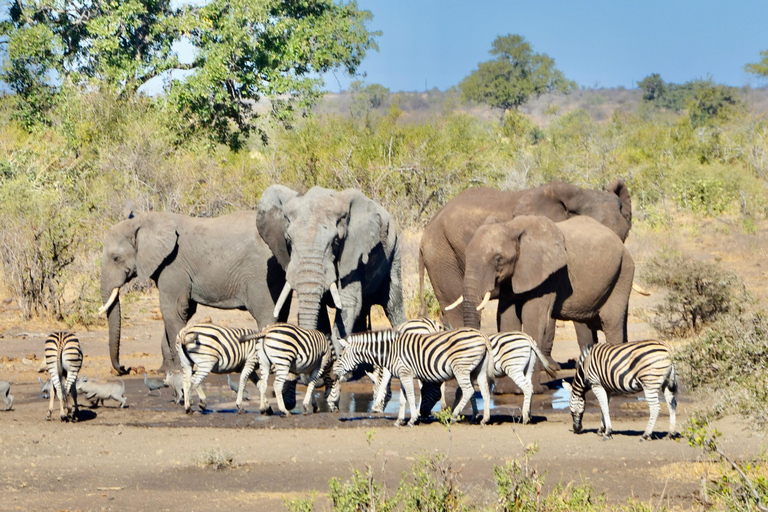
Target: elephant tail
(544,363)
(422,304)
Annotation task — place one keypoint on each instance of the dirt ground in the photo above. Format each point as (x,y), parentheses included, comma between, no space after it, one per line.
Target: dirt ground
(153,456)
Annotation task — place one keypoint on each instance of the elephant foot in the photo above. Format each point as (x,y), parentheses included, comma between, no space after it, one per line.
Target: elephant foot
(553,364)
(539,388)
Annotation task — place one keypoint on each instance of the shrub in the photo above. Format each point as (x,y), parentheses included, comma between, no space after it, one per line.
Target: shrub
(698,293)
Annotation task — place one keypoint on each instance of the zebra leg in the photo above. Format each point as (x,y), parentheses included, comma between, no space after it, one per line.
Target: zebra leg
(443,402)
(383,389)
(467,391)
(277,385)
(196,382)
(186,384)
(264,406)
(245,374)
(309,405)
(62,399)
(602,399)
(406,385)
(429,397)
(485,390)
(332,393)
(71,390)
(671,399)
(525,382)
(652,397)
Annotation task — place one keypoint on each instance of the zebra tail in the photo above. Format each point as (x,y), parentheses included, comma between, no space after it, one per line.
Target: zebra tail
(254,336)
(544,363)
(423,305)
(671,379)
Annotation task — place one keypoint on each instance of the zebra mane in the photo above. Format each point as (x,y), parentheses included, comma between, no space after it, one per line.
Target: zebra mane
(372,336)
(583,356)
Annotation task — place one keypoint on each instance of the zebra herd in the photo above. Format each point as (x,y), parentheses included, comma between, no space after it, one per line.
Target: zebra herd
(419,350)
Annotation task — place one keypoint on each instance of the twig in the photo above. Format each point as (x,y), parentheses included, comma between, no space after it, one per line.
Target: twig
(743,476)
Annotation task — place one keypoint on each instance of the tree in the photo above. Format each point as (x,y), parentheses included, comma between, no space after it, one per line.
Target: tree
(759,69)
(366,97)
(653,87)
(516,75)
(244,50)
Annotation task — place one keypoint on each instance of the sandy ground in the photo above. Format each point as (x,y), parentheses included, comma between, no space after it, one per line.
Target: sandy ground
(153,456)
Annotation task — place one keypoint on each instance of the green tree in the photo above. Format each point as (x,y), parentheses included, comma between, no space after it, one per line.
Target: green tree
(653,87)
(244,50)
(760,69)
(516,75)
(366,97)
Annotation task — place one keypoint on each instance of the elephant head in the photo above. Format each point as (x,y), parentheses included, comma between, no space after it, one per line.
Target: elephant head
(134,247)
(611,207)
(321,239)
(523,252)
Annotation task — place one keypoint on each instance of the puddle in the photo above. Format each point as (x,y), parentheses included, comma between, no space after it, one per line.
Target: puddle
(363,403)
(561,399)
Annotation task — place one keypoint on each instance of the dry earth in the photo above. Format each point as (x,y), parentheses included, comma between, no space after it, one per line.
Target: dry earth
(153,456)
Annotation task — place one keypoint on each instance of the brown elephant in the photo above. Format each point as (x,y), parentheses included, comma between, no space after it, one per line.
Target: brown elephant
(445,238)
(576,269)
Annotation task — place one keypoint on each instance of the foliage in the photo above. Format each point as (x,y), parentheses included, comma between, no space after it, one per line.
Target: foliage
(432,486)
(730,359)
(516,75)
(366,97)
(759,69)
(697,293)
(361,493)
(705,100)
(738,486)
(243,50)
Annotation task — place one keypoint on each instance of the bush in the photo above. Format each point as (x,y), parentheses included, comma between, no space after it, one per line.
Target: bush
(698,293)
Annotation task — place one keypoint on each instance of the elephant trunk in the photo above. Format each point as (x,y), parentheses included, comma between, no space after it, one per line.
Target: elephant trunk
(310,286)
(474,291)
(114,319)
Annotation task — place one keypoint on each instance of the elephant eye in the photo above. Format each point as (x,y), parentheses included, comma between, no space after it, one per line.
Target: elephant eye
(498,260)
(116,259)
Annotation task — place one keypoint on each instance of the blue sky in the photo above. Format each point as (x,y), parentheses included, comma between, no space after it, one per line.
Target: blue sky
(431,43)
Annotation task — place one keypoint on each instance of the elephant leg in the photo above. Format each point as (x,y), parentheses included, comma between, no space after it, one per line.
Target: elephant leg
(352,298)
(176,312)
(539,324)
(394,306)
(447,280)
(585,335)
(507,314)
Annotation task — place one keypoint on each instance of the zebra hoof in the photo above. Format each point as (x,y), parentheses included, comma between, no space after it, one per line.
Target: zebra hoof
(203,406)
(188,410)
(399,423)
(411,423)
(240,410)
(645,437)
(268,411)
(607,437)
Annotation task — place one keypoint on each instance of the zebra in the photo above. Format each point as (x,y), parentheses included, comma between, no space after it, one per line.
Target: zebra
(380,376)
(63,358)
(216,349)
(464,354)
(623,369)
(514,355)
(288,349)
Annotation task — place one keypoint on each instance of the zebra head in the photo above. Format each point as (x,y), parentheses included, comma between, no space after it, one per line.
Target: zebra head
(370,347)
(345,363)
(578,389)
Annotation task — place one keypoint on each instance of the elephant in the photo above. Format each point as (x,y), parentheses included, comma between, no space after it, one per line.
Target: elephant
(446,236)
(577,269)
(338,249)
(220,262)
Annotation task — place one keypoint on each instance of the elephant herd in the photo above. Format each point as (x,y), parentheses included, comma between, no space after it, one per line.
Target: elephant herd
(551,252)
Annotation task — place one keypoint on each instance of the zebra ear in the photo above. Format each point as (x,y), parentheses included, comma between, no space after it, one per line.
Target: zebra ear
(343,342)
(567,386)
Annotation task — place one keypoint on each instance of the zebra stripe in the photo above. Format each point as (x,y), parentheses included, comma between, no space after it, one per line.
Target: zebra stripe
(215,349)
(286,349)
(382,377)
(63,358)
(463,354)
(624,369)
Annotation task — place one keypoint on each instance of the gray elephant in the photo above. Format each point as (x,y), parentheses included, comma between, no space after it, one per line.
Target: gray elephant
(338,249)
(220,262)
(445,238)
(576,270)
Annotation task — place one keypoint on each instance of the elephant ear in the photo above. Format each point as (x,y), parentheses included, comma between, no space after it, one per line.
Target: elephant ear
(368,226)
(619,188)
(156,238)
(271,221)
(541,252)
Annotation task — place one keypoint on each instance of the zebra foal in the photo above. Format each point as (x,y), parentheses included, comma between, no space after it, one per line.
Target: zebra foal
(214,349)
(63,359)
(290,350)
(463,354)
(624,369)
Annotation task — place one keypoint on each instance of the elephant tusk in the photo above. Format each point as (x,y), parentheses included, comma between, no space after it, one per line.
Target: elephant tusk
(636,287)
(281,299)
(335,295)
(458,301)
(103,309)
(486,298)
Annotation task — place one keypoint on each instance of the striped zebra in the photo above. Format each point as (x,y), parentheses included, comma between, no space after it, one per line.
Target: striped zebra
(381,376)
(463,354)
(215,349)
(623,369)
(288,349)
(63,358)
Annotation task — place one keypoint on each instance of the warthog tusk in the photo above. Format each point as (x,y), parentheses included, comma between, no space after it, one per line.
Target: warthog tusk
(281,299)
(458,301)
(486,298)
(103,309)
(639,289)
(335,295)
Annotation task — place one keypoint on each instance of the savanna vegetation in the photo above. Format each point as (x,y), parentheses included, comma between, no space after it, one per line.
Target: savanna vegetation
(78,138)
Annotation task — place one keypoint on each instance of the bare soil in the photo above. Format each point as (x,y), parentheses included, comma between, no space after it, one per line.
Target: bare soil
(152,455)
